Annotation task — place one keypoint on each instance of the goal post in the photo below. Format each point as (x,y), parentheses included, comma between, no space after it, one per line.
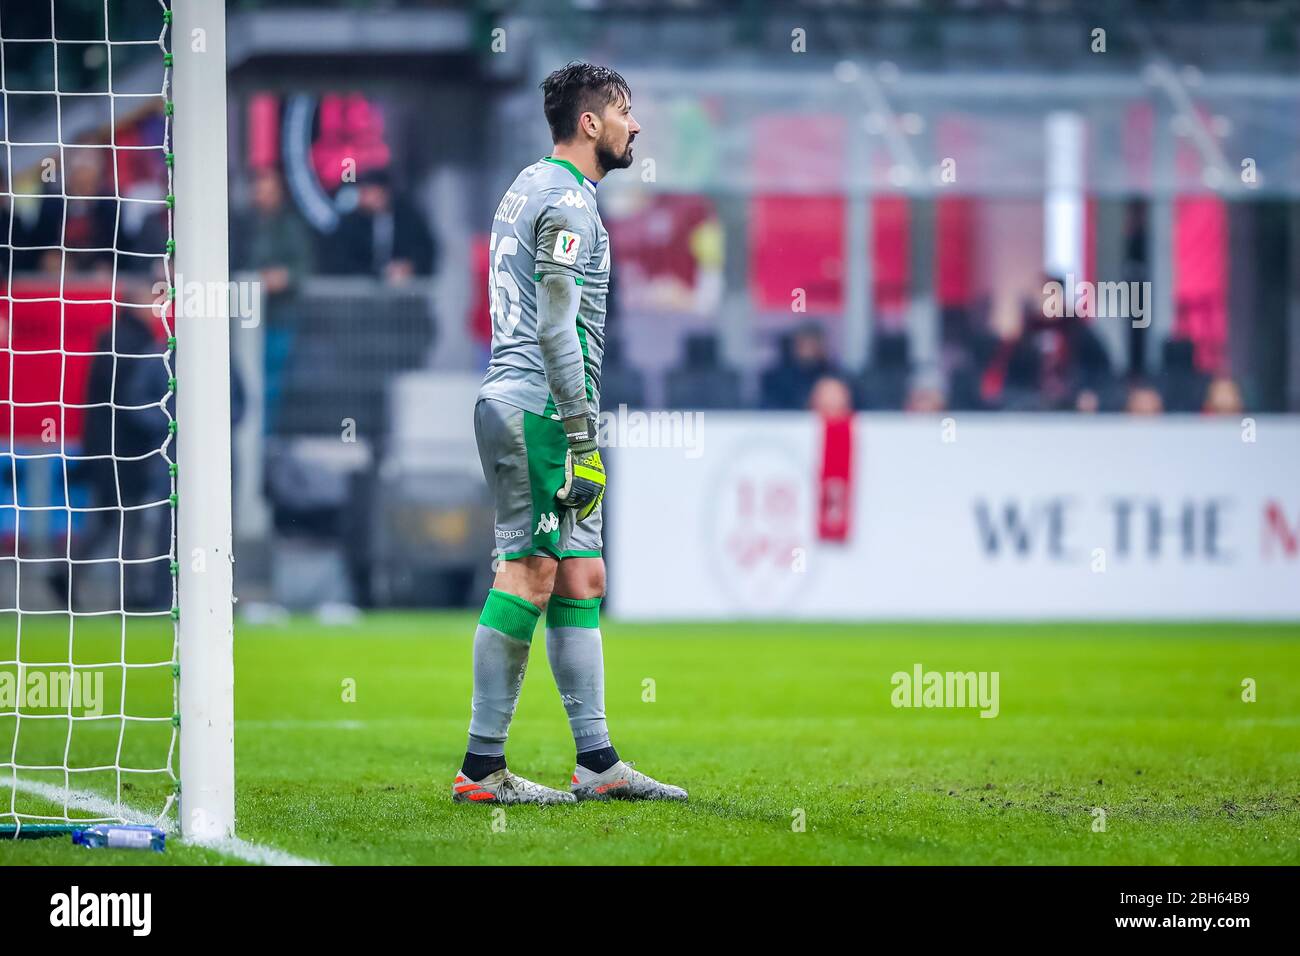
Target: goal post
(205,574)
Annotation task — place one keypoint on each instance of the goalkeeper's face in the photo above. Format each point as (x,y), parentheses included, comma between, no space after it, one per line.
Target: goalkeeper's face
(617,130)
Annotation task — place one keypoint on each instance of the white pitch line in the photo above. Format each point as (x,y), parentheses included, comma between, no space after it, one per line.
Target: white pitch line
(92,803)
(254,853)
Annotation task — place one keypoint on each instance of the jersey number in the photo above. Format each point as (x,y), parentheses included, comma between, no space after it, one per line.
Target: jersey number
(503,290)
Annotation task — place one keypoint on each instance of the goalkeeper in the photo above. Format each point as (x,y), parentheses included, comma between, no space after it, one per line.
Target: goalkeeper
(535,422)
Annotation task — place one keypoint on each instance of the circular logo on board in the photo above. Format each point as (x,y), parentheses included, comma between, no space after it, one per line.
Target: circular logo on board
(760,532)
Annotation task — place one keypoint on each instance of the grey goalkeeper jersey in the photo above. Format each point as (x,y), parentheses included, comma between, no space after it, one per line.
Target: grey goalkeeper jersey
(547,222)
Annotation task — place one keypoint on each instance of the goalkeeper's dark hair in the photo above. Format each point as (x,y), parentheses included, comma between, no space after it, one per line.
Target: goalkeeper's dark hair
(575,89)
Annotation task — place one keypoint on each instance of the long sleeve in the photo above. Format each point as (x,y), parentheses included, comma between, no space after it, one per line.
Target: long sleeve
(557,336)
(565,238)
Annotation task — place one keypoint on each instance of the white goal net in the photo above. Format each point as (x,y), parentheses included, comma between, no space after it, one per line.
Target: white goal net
(89,654)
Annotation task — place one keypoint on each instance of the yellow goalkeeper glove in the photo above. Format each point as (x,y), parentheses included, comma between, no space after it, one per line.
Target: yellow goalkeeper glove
(584,474)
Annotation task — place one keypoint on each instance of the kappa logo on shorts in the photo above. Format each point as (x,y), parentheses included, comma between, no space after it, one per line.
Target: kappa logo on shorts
(516,533)
(547,523)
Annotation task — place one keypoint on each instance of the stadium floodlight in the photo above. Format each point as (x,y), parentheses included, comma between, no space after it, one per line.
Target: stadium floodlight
(46,782)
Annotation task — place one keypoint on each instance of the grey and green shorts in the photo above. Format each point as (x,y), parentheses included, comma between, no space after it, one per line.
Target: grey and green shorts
(523,462)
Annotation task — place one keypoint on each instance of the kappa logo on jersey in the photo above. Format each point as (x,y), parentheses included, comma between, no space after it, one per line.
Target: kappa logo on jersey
(570,198)
(547,523)
(566,248)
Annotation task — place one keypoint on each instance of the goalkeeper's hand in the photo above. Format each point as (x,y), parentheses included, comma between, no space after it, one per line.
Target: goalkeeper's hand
(584,475)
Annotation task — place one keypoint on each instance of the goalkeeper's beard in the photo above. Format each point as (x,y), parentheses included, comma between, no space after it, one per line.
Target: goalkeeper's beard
(607,158)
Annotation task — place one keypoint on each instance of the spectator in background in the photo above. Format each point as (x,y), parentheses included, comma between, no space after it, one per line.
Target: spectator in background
(277,246)
(1095,385)
(87,223)
(384,236)
(142,229)
(1182,386)
(20,216)
(143,232)
(701,380)
(831,398)
(974,373)
(803,361)
(1223,397)
(1022,385)
(883,385)
(926,395)
(1144,400)
(1072,356)
(121,435)
(1090,374)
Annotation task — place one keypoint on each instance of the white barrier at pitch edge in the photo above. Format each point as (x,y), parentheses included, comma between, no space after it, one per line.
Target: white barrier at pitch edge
(964,516)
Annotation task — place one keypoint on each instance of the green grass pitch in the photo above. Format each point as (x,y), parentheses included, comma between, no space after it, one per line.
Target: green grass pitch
(759,721)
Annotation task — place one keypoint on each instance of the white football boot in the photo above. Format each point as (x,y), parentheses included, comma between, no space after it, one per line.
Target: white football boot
(621,782)
(502,786)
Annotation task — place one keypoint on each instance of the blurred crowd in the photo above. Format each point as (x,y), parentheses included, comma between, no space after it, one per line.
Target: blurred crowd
(106,222)
(81,228)
(1048,365)
(381,233)
(103,219)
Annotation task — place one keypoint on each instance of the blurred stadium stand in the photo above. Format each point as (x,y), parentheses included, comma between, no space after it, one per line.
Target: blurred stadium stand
(359,334)
(430,514)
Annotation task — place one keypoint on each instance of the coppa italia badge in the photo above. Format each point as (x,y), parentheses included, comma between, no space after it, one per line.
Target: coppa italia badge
(566,248)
